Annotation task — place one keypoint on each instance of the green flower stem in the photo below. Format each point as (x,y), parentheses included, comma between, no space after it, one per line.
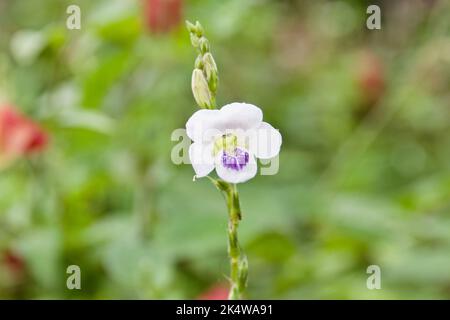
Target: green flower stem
(238,261)
(204,88)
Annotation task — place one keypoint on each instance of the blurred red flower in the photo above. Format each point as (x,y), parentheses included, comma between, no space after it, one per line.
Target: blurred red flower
(13,262)
(18,134)
(13,268)
(371,77)
(216,292)
(162,15)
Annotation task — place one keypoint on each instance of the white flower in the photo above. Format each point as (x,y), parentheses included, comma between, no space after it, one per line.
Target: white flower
(229,139)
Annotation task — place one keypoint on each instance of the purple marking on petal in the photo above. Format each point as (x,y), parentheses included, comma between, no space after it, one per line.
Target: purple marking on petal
(236,160)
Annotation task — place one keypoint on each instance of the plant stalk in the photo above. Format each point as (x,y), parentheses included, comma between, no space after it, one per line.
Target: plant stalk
(238,261)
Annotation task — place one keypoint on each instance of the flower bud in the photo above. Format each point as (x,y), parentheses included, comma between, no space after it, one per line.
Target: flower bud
(190,26)
(209,61)
(211,72)
(204,45)
(195,41)
(200,89)
(199,62)
(199,29)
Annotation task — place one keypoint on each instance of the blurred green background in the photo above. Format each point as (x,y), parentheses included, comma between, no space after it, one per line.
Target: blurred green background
(364,168)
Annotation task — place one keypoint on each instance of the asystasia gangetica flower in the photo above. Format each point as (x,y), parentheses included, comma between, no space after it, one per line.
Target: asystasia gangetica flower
(229,140)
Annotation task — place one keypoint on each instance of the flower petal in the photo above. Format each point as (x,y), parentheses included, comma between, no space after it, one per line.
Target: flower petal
(236,176)
(268,141)
(240,116)
(201,158)
(201,123)
(204,125)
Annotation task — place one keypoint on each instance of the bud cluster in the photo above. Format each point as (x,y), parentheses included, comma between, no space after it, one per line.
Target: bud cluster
(205,76)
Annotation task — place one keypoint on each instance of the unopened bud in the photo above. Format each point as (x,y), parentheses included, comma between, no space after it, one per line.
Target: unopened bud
(199,29)
(195,41)
(204,45)
(209,60)
(211,72)
(190,26)
(199,62)
(200,89)
(213,82)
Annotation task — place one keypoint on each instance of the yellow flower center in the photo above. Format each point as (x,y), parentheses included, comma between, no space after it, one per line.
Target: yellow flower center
(227,142)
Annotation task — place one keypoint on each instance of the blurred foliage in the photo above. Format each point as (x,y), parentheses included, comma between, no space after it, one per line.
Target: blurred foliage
(364,169)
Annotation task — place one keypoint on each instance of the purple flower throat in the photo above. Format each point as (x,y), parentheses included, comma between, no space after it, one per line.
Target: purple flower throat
(235,160)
